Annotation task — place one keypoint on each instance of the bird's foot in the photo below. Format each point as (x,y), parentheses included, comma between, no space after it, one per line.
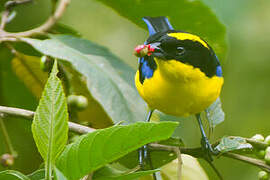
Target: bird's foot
(208,151)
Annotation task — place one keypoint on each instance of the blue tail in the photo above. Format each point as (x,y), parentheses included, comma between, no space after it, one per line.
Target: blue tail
(157,24)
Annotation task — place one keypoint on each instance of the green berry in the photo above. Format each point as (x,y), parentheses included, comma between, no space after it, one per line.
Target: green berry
(258,137)
(267,140)
(7,160)
(260,153)
(45,63)
(82,102)
(262,175)
(267,155)
(77,102)
(71,100)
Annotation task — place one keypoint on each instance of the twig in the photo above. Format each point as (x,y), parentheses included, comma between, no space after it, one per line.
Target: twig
(41,29)
(16,112)
(88,177)
(197,152)
(8,8)
(6,137)
(174,149)
(249,160)
(4,19)
(80,129)
(180,162)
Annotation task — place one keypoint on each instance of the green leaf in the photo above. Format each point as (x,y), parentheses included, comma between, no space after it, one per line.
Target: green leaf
(12,175)
(58,175)
(37,175)
(109,80)
(215,114)
(190,16)
(92,151)
(233,143)
(50,124)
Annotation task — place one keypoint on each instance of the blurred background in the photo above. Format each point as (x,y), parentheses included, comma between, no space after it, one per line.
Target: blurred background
(245,95)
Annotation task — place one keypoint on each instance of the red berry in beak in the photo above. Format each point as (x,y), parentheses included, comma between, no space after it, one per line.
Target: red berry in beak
(143,50)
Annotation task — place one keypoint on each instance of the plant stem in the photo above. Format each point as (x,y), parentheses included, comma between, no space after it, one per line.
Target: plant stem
(6,138)
(80,129)
(26,114)
(39,30)
(174,149)
(48,171)
(253,161)
(9,5)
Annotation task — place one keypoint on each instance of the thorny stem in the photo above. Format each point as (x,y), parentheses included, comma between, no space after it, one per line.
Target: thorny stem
(80,129)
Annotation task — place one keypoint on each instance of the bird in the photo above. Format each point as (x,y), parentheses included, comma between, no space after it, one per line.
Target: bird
(178,74)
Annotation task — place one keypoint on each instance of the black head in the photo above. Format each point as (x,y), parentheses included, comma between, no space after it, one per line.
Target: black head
(186,48)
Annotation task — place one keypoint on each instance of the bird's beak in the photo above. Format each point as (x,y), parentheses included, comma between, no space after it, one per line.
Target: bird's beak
(146,49)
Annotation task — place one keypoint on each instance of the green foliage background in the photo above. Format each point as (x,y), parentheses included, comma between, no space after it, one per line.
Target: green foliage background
(245,95)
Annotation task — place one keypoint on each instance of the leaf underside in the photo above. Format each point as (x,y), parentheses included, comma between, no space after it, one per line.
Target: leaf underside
(108,79)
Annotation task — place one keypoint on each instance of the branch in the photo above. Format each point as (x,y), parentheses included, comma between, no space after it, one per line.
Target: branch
(6,137)
(197,152)
(16,112)
(174,149)
(80,129)
(8,8)
(253,161)
(39,30)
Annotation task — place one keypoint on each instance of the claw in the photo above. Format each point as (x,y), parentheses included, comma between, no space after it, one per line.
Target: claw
(206,146)
(208,150)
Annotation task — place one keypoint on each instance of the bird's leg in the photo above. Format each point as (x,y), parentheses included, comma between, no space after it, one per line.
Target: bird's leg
(144,156)
(206,146)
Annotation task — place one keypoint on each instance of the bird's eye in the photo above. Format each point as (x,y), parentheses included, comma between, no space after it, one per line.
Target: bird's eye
(180,51)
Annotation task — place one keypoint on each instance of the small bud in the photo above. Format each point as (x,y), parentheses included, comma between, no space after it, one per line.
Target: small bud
(267,140)
(46,63)
(260,153)
(77,102)
(7,160)
(258,137)
(267,155)
(262,175)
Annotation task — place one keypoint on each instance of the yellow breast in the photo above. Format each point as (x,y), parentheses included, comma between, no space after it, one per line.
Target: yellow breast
(179,89)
